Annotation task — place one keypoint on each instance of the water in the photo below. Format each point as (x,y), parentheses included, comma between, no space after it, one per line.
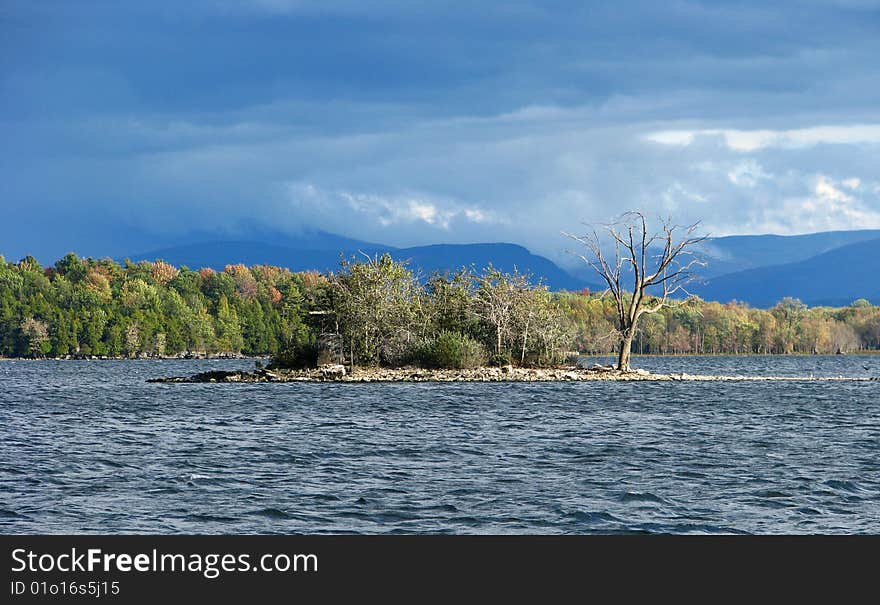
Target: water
(89,447)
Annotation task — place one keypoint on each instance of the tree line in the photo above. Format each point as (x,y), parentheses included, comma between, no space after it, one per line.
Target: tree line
(378,312)
(87,307)
(704,327)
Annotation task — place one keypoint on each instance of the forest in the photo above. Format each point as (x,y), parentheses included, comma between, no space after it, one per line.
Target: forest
(380,313)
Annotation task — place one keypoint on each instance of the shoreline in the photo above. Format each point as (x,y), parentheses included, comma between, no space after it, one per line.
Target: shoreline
(178,357)
(219,356)
(488,374)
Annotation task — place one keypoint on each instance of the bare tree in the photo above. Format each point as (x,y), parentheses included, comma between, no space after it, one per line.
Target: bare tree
(36,334)
(661,262)
(495,297)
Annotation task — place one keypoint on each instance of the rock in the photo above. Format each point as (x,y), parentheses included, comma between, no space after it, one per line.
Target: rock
(266,374)
(337,372)
(598,367)
(333,371)
(214,376)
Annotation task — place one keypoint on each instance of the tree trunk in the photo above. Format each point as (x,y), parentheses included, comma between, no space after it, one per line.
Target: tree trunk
(522,359)
(623,356)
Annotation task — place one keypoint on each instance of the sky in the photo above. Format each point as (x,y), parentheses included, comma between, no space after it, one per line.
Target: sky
(128,125)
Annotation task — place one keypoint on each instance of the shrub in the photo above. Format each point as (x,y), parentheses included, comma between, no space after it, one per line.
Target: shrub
(453,350)
(298,354)
(400,350)
(500,359)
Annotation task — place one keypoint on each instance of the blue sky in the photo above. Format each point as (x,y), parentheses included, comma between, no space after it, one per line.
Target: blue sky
(129,124)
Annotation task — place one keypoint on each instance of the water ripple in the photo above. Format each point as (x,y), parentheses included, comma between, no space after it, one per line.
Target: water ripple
(91,447)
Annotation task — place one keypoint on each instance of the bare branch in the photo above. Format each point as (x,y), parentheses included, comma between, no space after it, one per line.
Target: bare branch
(632,245)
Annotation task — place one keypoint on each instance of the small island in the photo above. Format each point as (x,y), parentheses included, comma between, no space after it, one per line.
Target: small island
(338,373)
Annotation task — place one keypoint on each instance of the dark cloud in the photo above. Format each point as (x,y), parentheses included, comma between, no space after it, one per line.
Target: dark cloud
(413,122)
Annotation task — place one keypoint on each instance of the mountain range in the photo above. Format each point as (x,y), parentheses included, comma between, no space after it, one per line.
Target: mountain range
(828,268)
(322,252)
(834,277)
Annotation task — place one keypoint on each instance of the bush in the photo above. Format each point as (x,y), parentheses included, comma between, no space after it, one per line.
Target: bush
(500,360)
(453,350)
(400,350)
(298,354)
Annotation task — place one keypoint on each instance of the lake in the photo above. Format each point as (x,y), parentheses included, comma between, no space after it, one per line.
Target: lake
(90,447)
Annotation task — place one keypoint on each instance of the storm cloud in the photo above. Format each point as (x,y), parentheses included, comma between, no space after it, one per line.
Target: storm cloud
(411,123)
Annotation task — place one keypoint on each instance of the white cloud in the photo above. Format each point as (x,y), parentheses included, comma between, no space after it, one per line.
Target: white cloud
(825,190)
(747,173)
(823,206)
(334,208)
(753,140)
(677,195)
(476,216)
(673,137)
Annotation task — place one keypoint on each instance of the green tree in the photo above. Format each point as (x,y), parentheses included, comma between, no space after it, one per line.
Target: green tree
(376,305)
(229,337)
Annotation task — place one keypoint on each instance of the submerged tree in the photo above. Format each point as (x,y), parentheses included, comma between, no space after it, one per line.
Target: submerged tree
(659,265)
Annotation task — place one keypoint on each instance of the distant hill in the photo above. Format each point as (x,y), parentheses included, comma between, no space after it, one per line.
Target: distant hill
(735,253)
(832,267)
(818,268)
(308,239)
(441,257)
(833,278)
(324,254)
(218,254)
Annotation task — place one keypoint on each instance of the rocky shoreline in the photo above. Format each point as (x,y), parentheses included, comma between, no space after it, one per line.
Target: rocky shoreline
(337,373)
(144,356)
